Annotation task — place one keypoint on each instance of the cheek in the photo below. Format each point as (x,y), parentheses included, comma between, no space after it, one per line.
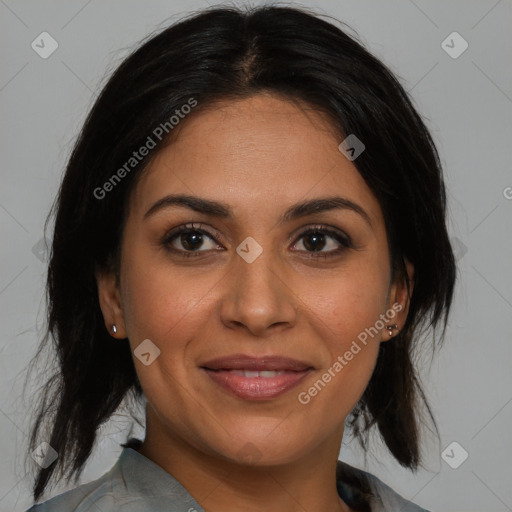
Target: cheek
(351,301)
(156,304)
(346,311)
(161,303)
(169,309)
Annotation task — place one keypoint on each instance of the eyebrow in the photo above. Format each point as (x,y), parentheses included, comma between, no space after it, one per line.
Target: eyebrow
(223,211)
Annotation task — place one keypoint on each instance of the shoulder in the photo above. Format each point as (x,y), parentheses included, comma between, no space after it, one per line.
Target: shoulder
(391,500)
(99,494)
(102,494)
(133,484)
(381,497)
(81,499)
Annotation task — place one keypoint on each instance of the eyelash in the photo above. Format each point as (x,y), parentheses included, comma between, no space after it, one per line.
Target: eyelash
(343,240)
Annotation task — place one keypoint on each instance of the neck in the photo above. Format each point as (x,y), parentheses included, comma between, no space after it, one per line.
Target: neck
(217,484)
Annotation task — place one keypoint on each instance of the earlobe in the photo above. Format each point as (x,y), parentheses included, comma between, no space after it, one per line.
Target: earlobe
(391,330)
(110,304)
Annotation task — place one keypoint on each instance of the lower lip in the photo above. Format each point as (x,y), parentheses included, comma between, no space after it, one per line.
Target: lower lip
(256,388)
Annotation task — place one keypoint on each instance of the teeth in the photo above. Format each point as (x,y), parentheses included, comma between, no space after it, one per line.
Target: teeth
(270,373)
(251,374)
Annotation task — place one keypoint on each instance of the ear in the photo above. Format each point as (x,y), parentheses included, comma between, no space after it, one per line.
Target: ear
(110,302)
(399,301)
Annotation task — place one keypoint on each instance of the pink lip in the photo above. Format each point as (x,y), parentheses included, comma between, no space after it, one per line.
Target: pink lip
(256,388)
(227,373)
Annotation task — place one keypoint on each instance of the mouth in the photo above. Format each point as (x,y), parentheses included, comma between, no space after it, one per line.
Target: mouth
(256,378)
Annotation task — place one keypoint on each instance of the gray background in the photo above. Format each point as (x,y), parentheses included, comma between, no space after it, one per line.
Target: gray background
(468,104)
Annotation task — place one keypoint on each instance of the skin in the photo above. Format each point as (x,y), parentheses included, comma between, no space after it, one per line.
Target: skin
(259,156)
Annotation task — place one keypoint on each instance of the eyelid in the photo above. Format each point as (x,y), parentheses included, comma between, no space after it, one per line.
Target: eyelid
(323,228)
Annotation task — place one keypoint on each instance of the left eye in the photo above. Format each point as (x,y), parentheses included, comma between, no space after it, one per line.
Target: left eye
(317,239)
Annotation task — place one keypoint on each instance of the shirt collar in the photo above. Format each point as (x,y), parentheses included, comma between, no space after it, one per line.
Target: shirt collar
(142,477)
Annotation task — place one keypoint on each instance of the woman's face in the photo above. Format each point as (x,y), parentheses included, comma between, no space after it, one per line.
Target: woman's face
(254,284)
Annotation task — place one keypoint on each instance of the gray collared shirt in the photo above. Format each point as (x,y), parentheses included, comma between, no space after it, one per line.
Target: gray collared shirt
(136,484)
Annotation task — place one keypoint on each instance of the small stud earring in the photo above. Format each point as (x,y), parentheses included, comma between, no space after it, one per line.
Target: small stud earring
(114,328)
(391,328)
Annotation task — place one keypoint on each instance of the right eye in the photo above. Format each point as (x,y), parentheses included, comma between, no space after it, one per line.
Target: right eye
(190,238)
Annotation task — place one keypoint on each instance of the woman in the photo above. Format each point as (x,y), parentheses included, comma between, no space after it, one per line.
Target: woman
(249,238)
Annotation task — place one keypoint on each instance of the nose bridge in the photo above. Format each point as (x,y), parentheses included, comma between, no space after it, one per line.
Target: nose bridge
(257,279)
(258,297)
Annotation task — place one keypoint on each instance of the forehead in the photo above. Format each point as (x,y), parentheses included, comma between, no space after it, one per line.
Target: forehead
(254,153)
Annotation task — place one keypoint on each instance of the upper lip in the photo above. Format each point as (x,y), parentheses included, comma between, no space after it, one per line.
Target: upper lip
(245,362)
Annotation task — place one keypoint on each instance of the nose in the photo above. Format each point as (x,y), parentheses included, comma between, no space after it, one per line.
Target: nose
(257,297)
